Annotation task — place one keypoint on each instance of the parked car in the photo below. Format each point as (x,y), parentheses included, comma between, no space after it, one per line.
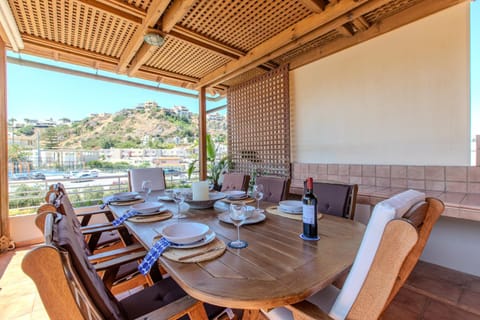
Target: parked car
(36,176)
(85,175)
(70,175)
(20,176)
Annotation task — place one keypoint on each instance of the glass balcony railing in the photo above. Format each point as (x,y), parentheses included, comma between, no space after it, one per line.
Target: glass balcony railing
(25,196)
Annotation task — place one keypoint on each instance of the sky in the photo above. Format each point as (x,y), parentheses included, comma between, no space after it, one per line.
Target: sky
(70,99)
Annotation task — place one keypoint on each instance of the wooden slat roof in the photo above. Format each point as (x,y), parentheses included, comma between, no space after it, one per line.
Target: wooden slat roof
(211,43)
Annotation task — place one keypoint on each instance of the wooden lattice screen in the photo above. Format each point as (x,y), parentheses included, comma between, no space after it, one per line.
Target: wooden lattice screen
(259,124)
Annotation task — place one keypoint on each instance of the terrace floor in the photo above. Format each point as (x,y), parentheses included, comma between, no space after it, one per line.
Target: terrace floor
(431,292)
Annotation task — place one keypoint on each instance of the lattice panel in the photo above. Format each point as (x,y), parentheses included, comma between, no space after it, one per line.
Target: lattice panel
(243,24)
(259,124)
(74,24)
(185,58)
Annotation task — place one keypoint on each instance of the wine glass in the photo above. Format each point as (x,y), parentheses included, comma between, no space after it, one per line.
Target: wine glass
(258,195)
(179,198)
(146,188)
(238,215)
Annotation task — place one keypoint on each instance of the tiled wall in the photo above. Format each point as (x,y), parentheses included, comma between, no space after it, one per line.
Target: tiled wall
(462,179)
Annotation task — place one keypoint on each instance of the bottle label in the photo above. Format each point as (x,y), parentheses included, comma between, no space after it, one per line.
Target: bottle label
(309,214)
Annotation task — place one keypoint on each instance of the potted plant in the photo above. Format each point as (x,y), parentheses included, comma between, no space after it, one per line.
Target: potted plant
(215,167)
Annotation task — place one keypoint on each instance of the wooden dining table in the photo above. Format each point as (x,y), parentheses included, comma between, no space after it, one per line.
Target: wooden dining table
(277,268)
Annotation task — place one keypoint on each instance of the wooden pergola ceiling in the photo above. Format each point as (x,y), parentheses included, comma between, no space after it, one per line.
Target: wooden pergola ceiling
(208,43)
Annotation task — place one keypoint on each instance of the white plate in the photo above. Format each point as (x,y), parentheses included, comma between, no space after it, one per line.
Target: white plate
(256,218)
(293,205)
(148,207)
(165,198)
(209,237)
(126,196)
(290,211)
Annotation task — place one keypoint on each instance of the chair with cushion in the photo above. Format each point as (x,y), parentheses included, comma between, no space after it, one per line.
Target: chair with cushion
(118,266)
(336,199)
(275,189)
(235,181)
(70,287)
(393,242)
(137,176)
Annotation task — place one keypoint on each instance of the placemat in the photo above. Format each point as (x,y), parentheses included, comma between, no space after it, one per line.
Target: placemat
(275,210)
(157,217)
(207,252)
(246,200)
(126,203)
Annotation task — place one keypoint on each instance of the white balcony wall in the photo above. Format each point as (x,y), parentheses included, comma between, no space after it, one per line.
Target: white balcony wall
(401,98)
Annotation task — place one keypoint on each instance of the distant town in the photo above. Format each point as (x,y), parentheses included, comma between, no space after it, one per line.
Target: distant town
(151,135)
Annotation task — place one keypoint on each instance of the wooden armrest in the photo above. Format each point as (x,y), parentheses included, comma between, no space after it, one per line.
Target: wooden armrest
(89,213)
(105,228)
(108,264)
(178,308)
(111,254)
(306,310)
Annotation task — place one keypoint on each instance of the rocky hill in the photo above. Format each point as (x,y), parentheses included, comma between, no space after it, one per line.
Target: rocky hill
(132,128)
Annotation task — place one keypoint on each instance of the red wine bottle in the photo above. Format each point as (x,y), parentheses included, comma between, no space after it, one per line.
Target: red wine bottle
(309,212)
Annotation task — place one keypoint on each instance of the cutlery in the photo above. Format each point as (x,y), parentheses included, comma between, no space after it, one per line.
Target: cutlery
(196,254)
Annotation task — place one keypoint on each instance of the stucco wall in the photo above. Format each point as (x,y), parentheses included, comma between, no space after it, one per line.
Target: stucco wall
(401,98)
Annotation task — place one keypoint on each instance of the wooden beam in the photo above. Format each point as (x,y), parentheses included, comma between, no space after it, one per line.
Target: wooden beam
(141,57)
(155,11)
(316,6)
(413,13)
(301,33)
(126,7)
(280,40)
(202,136)
(4,227)
(175,13)
(106,6)
(361,24)
(344,30)
(205,42)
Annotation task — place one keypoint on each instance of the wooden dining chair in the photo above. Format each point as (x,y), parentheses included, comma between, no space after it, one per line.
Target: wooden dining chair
(70,287)
(235,181)
(137,176)
(338,199)
(101,235)
(275,188)
(392,244)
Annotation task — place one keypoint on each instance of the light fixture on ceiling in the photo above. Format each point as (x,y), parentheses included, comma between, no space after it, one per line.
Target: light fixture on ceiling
(154,38)
(11,30)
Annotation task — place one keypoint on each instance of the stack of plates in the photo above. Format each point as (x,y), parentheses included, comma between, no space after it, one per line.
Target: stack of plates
(126,196)
(236,195)
(149,208)
(291,206)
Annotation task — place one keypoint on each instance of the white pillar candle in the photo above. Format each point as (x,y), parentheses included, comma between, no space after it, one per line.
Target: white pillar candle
(200,191)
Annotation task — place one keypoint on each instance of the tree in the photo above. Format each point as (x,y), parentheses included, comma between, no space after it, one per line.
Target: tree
(50,137)
(16,155)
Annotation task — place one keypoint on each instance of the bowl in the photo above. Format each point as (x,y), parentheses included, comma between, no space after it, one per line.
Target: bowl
(185,232)
(147,207)
(125,196)
(235,194)
(205,204)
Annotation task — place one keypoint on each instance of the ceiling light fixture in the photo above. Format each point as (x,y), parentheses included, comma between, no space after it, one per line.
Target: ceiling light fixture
(154,38)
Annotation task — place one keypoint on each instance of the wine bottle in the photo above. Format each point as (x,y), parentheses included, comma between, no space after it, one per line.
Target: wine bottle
(309,212)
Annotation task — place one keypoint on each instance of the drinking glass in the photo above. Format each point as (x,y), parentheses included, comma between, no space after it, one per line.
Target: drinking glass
(238,215)
(179,198)
(146,188)
(258,195)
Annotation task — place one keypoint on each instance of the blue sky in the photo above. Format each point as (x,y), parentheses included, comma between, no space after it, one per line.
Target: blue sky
(71,100)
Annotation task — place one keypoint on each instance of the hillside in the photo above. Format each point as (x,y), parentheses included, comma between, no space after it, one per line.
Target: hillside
(131,128)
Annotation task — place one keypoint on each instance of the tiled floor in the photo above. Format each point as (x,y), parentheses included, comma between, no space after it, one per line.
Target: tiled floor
(431,292)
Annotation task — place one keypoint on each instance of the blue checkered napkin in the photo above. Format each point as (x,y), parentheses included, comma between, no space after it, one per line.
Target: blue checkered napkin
(121,219)
(153,255)
(108,200)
